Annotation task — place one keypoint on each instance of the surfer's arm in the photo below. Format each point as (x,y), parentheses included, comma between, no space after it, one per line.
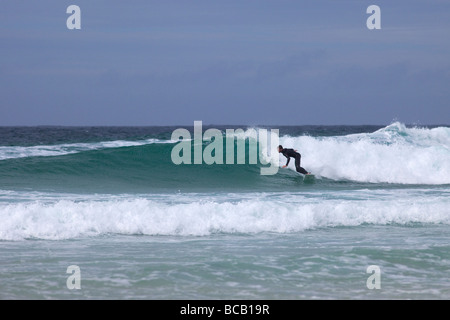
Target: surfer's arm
(287,162)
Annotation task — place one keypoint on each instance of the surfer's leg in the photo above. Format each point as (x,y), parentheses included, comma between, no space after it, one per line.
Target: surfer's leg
(302,170)
(297,165)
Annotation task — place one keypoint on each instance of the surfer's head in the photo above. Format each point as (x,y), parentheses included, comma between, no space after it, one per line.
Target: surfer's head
(280,148)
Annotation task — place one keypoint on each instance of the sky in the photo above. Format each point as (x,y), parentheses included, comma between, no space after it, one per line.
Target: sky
(236,62)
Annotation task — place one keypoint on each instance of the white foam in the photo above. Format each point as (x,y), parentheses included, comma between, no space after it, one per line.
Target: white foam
(11,152)
(199,216)
(394,154)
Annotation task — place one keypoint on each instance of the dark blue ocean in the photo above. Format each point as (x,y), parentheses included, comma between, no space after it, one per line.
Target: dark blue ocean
(110,201)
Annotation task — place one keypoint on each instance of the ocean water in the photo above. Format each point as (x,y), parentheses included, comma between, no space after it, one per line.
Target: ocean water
(110,201)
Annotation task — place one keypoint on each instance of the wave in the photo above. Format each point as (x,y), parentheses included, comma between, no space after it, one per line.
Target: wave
(188,215)
(392,155)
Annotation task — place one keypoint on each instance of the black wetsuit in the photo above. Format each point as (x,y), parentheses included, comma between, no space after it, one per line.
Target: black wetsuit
(288,153)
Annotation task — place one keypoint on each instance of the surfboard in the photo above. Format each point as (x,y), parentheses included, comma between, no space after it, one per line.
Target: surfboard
(309,178)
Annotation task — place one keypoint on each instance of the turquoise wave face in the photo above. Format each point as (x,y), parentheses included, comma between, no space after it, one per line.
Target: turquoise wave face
(143,168)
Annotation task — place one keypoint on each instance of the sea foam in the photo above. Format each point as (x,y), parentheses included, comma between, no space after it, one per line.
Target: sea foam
(394,154)
(197,215)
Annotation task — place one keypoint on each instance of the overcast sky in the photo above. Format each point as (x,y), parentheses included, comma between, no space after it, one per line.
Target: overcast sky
(240,62)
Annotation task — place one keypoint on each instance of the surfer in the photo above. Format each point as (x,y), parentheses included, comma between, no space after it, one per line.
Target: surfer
(288,153)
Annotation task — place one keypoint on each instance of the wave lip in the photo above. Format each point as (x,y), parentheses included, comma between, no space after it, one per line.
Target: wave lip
(13,152)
